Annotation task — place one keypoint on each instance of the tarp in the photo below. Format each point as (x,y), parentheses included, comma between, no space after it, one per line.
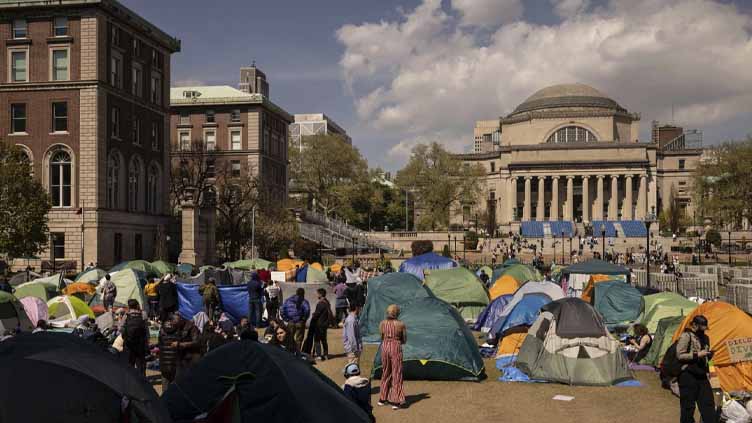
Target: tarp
(257,263)
(727,324)
(141,265)
(92,275)
(428,261)
(36,309)
(617,302)
(65,309)
(234,301)
(163,267)
(390,288)
(523,313)
(271,385)
(505,285)
(12,314)
(664,333)
(439,344)
(43,289)
(130,285)
(288,264)
(664,304)
(301,273)
(460,288)
(587,293)
(595,267)
(492,313)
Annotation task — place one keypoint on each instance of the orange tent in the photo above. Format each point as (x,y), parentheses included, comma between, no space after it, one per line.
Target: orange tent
(511,343)
(587,293)
(727,325)
(80,288)
(336,267)
(317,266)
(285,265)
(503,286)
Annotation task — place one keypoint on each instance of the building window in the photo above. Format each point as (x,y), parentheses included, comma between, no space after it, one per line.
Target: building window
(210,140)
(682,183)
(60,117)
(60,26)
(136,47)
(136,81)
(115,122)
(58,245)
(266,140)
(152,190)
(185,140)
(571,134)
(210,116)
(18,118)
(493,167)
(185,118)
(118,250)
(154,136)
(235,140)
(681,163)
(235,168)
(156,87)
(18,65)
(235,115)
(20,28)
(137,131)
(60,66)
(61,179)
(113,181)
(156,59)
(138,246)
(114,35)
(135,171)
(115,71)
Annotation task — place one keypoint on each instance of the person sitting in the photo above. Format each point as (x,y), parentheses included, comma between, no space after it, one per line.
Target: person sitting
(283,340)
(641,342)
(358,389)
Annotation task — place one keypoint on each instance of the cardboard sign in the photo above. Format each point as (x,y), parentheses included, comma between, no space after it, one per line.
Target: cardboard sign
(740,349)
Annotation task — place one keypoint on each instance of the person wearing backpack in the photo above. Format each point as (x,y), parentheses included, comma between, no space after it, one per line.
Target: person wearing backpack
(136,336)
(210,294)
(693,353)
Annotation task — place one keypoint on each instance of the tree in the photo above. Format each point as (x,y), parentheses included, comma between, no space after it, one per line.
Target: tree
(440,182)
(193,172)
(24,205)
(673,218)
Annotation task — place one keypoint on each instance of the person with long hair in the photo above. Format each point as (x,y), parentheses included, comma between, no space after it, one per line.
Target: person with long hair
(393,335)
(641,342)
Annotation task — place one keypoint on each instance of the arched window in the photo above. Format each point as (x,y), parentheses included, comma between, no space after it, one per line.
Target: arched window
(135,176)
(570,134)
(113,181)
(152,190)
(61,178)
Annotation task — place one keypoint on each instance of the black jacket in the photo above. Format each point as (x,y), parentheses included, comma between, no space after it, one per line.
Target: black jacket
(168,355)
(321,315)
(168,296)
(351,292)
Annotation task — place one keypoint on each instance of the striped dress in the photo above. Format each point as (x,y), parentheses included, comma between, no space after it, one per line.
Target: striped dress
(391,362)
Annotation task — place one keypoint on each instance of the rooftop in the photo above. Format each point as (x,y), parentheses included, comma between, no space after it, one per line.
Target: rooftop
(218,95)
(567,95)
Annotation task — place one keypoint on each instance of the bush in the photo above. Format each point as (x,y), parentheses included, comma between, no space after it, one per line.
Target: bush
(471,240)
(306,250)
(421,247)
(284,253)
(445,251)
(713,237)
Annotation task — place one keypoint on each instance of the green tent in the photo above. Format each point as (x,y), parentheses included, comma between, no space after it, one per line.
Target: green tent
(129,285)
(314,275)
(520,272)
(12,314)
(163,267)
(92,275)
(391,288)
(141,265)
(664,332)
(66,309)
(439,344)
(44,289)
(487,269)
(617,301)
(460,288)
(664,304)
(256,263)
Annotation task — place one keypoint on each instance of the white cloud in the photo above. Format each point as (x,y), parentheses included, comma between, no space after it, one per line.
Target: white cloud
(569,8)
(488,12)
(423,77)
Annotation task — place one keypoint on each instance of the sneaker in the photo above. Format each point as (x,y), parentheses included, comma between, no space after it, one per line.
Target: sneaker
(380,403)
(395,407)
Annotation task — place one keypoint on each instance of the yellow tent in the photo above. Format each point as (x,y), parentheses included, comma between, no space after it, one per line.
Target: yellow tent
(503,286)
(335,268)
(511,343)
(587,293)
(730,333)
(285,265)
(317,266)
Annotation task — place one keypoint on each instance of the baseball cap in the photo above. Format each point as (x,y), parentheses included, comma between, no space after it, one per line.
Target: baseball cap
(352,369)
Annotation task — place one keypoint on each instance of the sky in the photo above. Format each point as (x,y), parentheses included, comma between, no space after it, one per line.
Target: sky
(398,73)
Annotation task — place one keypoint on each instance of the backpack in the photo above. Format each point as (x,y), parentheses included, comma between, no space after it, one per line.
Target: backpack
(671,366)
(134,331)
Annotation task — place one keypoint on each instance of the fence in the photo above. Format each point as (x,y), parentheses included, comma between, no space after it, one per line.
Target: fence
(740,295)
(690,285)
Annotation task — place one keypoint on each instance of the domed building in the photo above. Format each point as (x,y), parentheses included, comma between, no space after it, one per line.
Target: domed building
(568,156)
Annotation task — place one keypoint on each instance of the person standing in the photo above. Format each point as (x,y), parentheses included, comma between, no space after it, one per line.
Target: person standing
(136,337)
(295,312)
(109,292)
(187,345)
(255,295)
(168,353)
(393,335)
(273,294)
(153,297)
(320,321)
(168,298)
(693,352)
(210,294)
(340,302)
(351,339)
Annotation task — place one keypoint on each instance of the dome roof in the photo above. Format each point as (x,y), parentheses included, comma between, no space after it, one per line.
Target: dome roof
(567,95)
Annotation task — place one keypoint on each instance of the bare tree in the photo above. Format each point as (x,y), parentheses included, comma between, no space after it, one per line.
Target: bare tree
(192,173)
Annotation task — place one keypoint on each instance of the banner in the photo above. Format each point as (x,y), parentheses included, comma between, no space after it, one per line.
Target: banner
(740,349)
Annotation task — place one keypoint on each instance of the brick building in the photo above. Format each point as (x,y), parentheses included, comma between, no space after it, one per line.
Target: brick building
(84,91)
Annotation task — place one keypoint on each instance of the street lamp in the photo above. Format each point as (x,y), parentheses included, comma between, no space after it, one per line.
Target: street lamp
(449,244)
(729,246)
(648,221)
(562,246)
(253,232)
(603,241)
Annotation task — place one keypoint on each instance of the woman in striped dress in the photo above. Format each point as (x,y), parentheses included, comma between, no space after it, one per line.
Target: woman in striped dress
(393,335)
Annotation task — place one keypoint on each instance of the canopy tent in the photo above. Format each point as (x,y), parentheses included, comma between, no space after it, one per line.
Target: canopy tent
(12,314)
(587,293)
(728,328)
(130,285)
(93,384)
(439,344)
(234,301)
(43,289)
(257,263)
(65,309)
(261,383)
(491,313)
(521,314)
(576,276)
(653,308)
(460,288)
(390,288)
(285,265)
(163,267)
(140,265)
(91,275)
(664,333)
(505,285)
(617,301)
(569,344)
(428,261)
(36,309)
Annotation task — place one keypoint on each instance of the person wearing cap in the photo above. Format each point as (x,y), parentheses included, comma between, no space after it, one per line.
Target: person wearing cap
(693,351)
(358,389)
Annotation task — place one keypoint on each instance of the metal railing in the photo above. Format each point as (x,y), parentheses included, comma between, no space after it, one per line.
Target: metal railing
(334,233)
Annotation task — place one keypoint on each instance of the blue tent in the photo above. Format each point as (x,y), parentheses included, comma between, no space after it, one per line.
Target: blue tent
(491,313)
(428,261)
(234,301)
(524,313)
(617,301)
(301,274)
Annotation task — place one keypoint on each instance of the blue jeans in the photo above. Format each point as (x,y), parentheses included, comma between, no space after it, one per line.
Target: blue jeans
(254,313)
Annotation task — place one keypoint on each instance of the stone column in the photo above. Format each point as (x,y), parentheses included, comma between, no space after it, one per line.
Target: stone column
(598,212)
(642,198)
(511,198)
(628,199)
(554,198)
(613,205)
(526,207)
(585,199)
(541,209)
(569,210)
(189,253)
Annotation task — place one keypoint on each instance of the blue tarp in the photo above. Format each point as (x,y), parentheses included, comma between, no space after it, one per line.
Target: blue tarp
(301,274)
(234,301)
(524,313)
(491,313)
(510,373)
(428,261)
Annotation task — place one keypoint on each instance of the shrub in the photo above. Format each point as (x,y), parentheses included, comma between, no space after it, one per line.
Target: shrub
(713,237)
(471,240)
(421,247)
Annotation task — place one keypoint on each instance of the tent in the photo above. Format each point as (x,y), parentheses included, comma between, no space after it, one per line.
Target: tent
(576,276)
(65,309)
(335,268)
(91,385)
(43,289)
(85,289)
(35,308)
(505,285)
(258,383)
(653,308)
(310,274)
(522,314)
(12,314)
(162,267)
(460,288)
(487,269)
(511,343)
(664,333)
(390,288)
(730,333)
(428,261)
(587,293)
(569,344)
(22,277)
(617,302)
(234,300)
(318,266)
(256,263)
(130,285)
(288,264)
(549,289)
(185,269)
(491,313)
(439,344)
(92,275)
(520,272)
(141,265)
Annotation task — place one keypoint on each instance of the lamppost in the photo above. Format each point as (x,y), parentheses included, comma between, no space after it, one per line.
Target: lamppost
(648,221)
(603,241)
(455,245)
(729,246)
(253,232)
(570,248)
(464,243)
(353,250)
(449,243)
(562,246)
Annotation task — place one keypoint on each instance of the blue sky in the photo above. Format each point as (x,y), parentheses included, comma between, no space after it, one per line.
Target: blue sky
(432,67)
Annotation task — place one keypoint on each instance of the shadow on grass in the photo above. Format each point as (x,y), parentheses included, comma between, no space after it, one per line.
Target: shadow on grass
(412,399)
